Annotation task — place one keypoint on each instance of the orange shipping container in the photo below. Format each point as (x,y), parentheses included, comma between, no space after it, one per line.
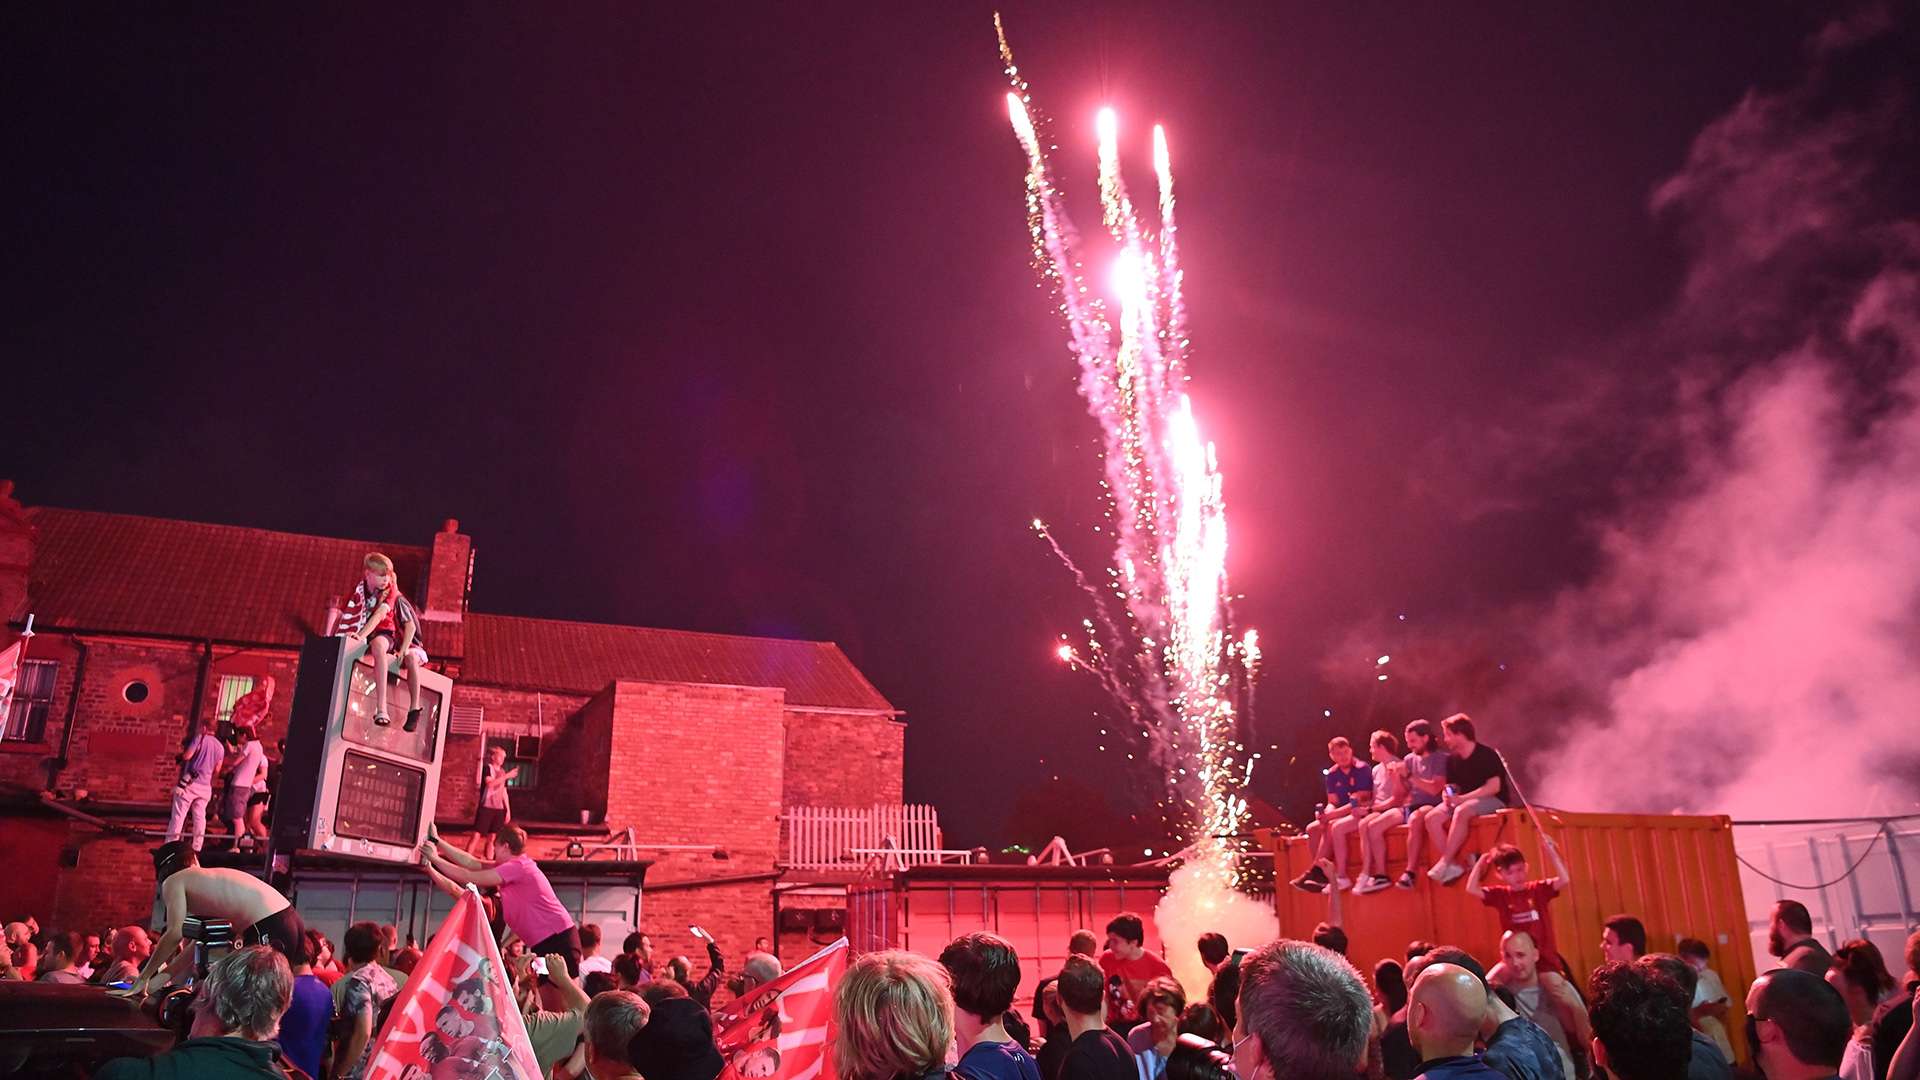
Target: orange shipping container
(1676,873)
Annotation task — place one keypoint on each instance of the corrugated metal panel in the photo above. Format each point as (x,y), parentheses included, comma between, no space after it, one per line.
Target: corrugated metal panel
(1677,874)
(922,911)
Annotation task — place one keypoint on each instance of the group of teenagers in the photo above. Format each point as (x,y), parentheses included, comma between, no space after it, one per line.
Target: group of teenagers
(1435,788)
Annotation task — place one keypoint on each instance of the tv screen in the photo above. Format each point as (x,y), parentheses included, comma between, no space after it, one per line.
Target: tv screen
(379,800)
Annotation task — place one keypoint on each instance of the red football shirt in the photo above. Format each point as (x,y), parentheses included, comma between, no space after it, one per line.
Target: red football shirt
(1525,908)
(1134,974)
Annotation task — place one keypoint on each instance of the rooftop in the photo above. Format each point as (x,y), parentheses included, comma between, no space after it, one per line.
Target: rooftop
(155,577)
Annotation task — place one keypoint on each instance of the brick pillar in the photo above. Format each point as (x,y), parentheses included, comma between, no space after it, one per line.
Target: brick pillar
(16,555)
(443,595)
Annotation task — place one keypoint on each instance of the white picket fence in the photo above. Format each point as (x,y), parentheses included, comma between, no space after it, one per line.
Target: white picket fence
(848,837)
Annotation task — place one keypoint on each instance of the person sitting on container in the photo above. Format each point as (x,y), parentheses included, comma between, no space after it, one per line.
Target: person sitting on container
(1706,1063)
(1426,772)
(236,1016)
(1304,1015)
(1128,960)
(1790,937)
(1391,792)
(259,913)
(1349,787)
(1477,784)
(1522,902)
(1640,1028)
(985,972)
(1797,1025)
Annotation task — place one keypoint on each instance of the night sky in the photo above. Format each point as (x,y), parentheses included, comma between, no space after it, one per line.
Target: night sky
(724,321)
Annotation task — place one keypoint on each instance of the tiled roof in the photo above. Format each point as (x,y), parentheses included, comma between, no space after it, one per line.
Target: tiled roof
(142,575)
(583,658)
(118,573)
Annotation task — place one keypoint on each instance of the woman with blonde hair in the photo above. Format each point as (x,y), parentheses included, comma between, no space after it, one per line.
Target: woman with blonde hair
(893,1018)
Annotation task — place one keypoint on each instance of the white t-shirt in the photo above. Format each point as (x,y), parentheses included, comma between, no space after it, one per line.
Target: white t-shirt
(596,963)
(251,773)
(1710,989)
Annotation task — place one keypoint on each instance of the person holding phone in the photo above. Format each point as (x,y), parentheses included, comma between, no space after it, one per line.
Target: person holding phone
(527,900)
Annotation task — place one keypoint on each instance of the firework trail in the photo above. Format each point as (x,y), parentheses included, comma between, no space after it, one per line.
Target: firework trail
(1160,641)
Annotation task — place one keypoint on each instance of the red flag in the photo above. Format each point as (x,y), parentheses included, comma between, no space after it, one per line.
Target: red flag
(779,1031)
(456,1019)
(9,675)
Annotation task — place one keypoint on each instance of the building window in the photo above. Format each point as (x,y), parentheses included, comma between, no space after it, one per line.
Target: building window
(135,692)
(32,700)
(529,776)
(232,689)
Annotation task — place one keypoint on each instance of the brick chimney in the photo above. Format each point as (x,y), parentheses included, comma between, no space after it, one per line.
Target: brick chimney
(16,555)
(443,596)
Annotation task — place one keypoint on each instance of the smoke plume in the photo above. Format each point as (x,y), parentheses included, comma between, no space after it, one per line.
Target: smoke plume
(1748,641)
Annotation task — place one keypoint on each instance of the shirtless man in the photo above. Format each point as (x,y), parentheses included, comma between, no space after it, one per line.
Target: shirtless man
(259,914)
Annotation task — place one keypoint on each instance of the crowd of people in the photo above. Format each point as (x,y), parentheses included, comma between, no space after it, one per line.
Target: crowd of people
(290,1003)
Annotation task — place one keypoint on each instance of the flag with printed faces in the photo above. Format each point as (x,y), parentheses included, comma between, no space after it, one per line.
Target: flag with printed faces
(456,1019)
(778,1030)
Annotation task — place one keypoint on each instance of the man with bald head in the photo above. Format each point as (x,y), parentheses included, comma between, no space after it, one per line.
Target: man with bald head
(1516,1047)
(1543,997)
(1447,1006)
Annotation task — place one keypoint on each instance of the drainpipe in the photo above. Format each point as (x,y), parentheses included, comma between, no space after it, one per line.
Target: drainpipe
(73,707)
(200,685)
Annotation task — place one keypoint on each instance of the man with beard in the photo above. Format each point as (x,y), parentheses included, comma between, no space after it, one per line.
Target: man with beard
(1790,937)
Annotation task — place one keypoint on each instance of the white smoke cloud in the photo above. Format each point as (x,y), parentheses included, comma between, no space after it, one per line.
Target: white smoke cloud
(1749,642)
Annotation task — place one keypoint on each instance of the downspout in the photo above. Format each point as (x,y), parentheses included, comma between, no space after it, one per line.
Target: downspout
(200,685)
(73,707)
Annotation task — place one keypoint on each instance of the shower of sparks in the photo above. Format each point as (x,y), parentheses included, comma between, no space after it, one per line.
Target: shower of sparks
(1160,640)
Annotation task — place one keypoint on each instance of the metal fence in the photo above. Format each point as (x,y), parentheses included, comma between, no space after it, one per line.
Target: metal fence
(1859,878)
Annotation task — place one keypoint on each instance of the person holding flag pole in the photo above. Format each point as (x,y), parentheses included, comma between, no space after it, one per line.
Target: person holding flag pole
(456,1017)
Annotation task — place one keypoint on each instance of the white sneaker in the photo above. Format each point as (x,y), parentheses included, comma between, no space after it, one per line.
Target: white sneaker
(1359,886)
(1454,873)
(1343,883)
(1438,871)
(1374,884)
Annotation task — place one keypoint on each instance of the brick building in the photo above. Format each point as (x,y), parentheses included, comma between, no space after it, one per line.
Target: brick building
(698,742)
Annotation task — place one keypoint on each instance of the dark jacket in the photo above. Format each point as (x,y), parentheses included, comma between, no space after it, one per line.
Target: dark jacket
(1458,1068)
(702,991)
(223,1058)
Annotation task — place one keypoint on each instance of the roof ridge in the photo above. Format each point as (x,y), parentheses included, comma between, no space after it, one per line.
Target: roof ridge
(38,509)
(659,629)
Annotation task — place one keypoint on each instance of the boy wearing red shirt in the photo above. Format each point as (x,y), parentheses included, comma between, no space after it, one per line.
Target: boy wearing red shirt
(1127,960)
(1522,904)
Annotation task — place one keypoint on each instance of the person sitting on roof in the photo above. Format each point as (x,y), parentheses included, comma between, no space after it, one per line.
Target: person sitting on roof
(380,618)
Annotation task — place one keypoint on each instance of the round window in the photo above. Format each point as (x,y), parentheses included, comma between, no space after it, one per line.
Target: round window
(135,692)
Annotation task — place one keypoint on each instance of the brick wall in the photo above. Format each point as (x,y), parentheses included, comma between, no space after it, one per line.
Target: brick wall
(843,759)
(699,765)
(122,750)
(557,796)
(111,885)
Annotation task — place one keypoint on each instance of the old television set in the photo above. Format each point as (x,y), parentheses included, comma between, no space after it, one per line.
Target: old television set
(351,786)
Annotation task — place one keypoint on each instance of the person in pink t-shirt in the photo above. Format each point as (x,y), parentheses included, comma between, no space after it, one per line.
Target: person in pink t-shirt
(527,903)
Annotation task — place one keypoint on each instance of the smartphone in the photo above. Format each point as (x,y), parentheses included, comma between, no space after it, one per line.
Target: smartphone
(699,933)
(540,965)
